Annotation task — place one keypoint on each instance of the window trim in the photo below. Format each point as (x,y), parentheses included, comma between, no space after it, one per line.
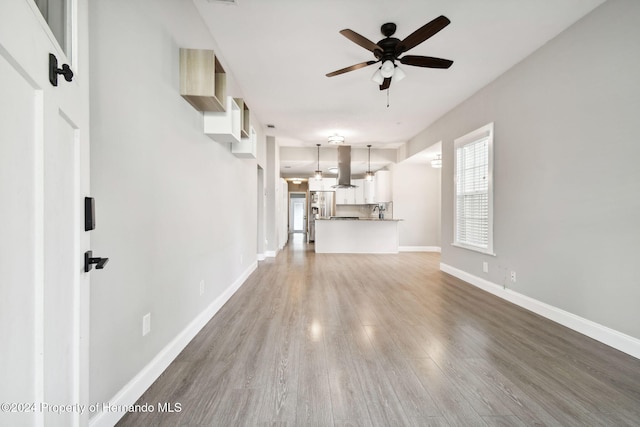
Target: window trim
(485,131)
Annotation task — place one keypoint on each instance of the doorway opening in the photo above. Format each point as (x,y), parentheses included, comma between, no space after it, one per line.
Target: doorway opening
(298,213)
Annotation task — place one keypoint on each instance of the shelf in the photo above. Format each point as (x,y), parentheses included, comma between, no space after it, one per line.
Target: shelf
(246,148)
(224,126)
(245,117)
(203,82)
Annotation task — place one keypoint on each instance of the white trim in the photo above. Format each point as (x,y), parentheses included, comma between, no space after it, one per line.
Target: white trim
(270,254)
(472,248)
(132,391)
(260,257)
(608,336)
(419,249)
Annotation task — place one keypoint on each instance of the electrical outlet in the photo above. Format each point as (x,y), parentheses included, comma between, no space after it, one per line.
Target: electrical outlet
(201,287)
(485,267)
(513,276)
(146,324)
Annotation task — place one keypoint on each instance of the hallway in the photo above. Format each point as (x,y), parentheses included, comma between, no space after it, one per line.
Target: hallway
(386,340)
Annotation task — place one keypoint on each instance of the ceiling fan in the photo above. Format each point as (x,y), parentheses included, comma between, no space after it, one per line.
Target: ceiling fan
(389,49)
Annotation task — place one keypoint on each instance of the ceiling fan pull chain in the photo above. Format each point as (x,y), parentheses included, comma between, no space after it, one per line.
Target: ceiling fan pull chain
(388,97)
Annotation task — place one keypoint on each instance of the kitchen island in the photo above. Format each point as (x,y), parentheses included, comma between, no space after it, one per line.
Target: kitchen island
(357,236)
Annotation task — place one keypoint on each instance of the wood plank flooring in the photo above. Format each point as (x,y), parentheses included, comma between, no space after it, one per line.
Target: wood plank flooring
(386,340)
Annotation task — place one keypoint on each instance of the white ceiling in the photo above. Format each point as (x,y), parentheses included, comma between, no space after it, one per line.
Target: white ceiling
(279,51)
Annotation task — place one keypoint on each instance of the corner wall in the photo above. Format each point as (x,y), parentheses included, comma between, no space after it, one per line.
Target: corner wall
(174,208)
(416,200)
(567,185)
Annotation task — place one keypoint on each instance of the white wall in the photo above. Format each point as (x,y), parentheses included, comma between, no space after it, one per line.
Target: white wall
(567,185)
(416,200)
(272,197)
(173,206)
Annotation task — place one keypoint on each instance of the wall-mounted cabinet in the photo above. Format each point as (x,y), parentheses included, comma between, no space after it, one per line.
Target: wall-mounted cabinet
(365,192)
(203,82)
(383,187)
(247,147)
(362,194)
(323,184)
(245,117)
(346,196)
(224,126)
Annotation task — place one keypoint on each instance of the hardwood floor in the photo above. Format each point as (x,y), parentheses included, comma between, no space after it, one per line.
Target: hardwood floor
(386,340)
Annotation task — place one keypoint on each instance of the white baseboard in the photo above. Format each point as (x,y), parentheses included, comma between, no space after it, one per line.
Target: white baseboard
(132,391)
(608,336)
(261,257)
(419,248)
(270,254)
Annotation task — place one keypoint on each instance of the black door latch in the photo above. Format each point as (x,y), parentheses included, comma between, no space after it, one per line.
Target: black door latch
(89,261)
(54,70)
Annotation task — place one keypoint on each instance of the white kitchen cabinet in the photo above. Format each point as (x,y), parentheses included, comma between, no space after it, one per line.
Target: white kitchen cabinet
(368,192)
(345,196)
(323,184)
(383,187)
(359,191)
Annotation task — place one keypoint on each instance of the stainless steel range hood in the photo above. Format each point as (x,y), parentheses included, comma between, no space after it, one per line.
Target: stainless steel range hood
(344,167)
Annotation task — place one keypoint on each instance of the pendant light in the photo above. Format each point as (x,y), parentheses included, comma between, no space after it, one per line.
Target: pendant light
(318,173)
(369,175)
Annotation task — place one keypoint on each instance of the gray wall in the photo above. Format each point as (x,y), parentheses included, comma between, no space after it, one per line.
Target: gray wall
(567,184)
(173,206)
(416,200)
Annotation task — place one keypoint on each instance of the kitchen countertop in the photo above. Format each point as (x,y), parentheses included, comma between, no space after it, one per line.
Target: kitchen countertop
(357,236)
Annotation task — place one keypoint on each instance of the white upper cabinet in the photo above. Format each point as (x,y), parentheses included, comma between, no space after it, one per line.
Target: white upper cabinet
(323,184)
(383,187)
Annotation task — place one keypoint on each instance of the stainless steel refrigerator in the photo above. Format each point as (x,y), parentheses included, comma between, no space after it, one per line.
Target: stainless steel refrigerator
(322,204)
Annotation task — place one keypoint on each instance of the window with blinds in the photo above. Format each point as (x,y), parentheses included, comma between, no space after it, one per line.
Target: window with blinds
(474,193)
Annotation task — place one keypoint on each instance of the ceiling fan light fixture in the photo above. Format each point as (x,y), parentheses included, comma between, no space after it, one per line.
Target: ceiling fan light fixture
(377,77)
(387,69)
(398,74)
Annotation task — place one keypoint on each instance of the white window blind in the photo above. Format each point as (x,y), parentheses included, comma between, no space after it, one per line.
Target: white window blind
(473,209)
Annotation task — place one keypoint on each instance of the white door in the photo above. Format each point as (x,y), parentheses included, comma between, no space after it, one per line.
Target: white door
(298,215)
(44,171)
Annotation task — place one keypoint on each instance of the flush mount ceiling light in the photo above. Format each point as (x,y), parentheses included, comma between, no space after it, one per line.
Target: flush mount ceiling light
(296,181)
(336,139)
(333,170)
(437,162)
(318,172)
(369,175)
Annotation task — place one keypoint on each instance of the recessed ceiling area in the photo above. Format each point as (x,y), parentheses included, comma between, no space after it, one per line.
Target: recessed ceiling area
(278,52)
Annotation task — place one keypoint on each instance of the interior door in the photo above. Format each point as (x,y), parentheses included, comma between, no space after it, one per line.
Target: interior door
(44,171)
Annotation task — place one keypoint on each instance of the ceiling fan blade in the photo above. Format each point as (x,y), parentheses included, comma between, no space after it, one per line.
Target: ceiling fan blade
(422,33)
(351,68)
(425,61)
(386,83)
(360,40)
